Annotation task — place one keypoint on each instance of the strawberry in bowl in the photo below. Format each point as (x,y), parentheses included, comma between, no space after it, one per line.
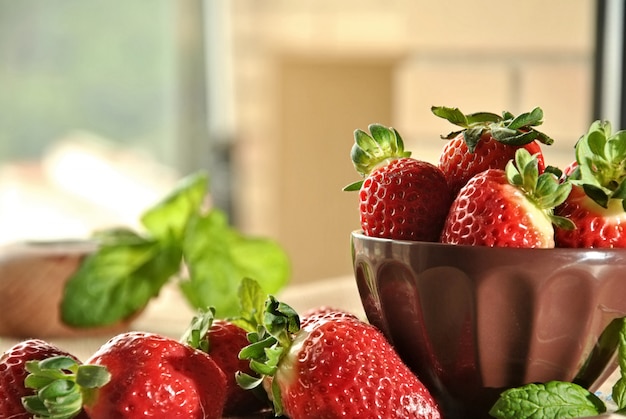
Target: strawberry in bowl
(596,205)
(497,301)
(400,197)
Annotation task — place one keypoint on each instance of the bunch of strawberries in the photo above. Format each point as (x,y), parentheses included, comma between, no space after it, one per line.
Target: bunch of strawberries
(491,186)
(267,362)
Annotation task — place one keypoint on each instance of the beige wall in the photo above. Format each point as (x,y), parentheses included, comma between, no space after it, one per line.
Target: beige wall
(309,72)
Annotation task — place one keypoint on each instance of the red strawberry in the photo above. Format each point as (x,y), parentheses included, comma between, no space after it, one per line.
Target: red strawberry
(401,197)
(323,312)
(511,208)
(138,375)
(597,204)
(333,367)
(13,373)
(223,340)
(487,141)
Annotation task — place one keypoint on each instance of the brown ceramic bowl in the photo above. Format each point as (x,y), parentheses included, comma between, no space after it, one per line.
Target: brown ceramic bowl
(473,321)
(32,279)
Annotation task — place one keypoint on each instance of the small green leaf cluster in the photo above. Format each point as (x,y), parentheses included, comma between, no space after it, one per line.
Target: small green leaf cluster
(62,386)
(506,128)
(601,159)
(546,191)
(268,346)
(183,240)
(559,399)
(372,150)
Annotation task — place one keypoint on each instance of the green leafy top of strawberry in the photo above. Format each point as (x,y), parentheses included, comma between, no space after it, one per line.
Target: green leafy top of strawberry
(506,128)
(544,190)
(62,386)
(251,306)
(601,164)
(371,151)
(269,344)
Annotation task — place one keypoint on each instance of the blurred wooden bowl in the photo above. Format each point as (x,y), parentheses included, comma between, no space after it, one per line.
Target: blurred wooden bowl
(32,279)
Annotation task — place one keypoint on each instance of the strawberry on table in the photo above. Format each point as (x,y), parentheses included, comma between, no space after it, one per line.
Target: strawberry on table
(223,340)
(335,366)
(13,373)
(487,141)
(400,197)
(133,375)
(512,208)
(596,204)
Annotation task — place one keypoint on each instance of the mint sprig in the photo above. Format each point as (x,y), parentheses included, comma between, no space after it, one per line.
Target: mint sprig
(183,241)
(559,399)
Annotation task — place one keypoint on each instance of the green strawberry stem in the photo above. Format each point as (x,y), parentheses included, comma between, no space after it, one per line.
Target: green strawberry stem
(268,346)
(544,190)
(62,386)
(601,160)
(372,151)
(198,329)
(508,128)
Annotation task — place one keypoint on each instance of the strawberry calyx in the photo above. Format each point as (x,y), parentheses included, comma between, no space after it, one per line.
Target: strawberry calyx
(506,128)
(268,346)
(198,328)
(601,164)
(62,386)
(544,190)
(373,150)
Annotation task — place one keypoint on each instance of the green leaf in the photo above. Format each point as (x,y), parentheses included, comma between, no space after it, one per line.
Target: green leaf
(252,304)
(368,151)
(354,186)
(117,281)
(452,115)
(527,119)
(472,137)
(247,382)
(555,399)
(169,218)
(482,117)
(619,389)
(218,257)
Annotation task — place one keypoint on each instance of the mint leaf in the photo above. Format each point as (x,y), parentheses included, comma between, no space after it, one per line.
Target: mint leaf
(218,257)
(118,280)
(555,399)
(169,218)
(251,304)
(129,268)
(619,388)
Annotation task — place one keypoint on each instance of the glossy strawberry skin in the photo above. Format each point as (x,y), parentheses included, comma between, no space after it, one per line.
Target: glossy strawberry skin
(488,211)
(156,377)
(339,366)
(13,373)
(406,199)
(225,341)
(459,165)
(596,227)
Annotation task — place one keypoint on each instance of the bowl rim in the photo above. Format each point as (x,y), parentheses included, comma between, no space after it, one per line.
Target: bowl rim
(360,235)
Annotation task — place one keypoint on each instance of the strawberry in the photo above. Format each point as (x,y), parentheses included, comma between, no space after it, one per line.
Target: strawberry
(596,204)
(487,141)
(322,312)
(223,340)
(133,375)
(512,208)
(337,366)
(400,197)
(13,373)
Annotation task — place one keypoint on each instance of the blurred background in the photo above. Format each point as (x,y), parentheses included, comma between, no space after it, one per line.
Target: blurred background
(104,105)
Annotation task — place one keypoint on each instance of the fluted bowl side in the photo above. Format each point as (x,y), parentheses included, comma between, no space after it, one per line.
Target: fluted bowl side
(472,321)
